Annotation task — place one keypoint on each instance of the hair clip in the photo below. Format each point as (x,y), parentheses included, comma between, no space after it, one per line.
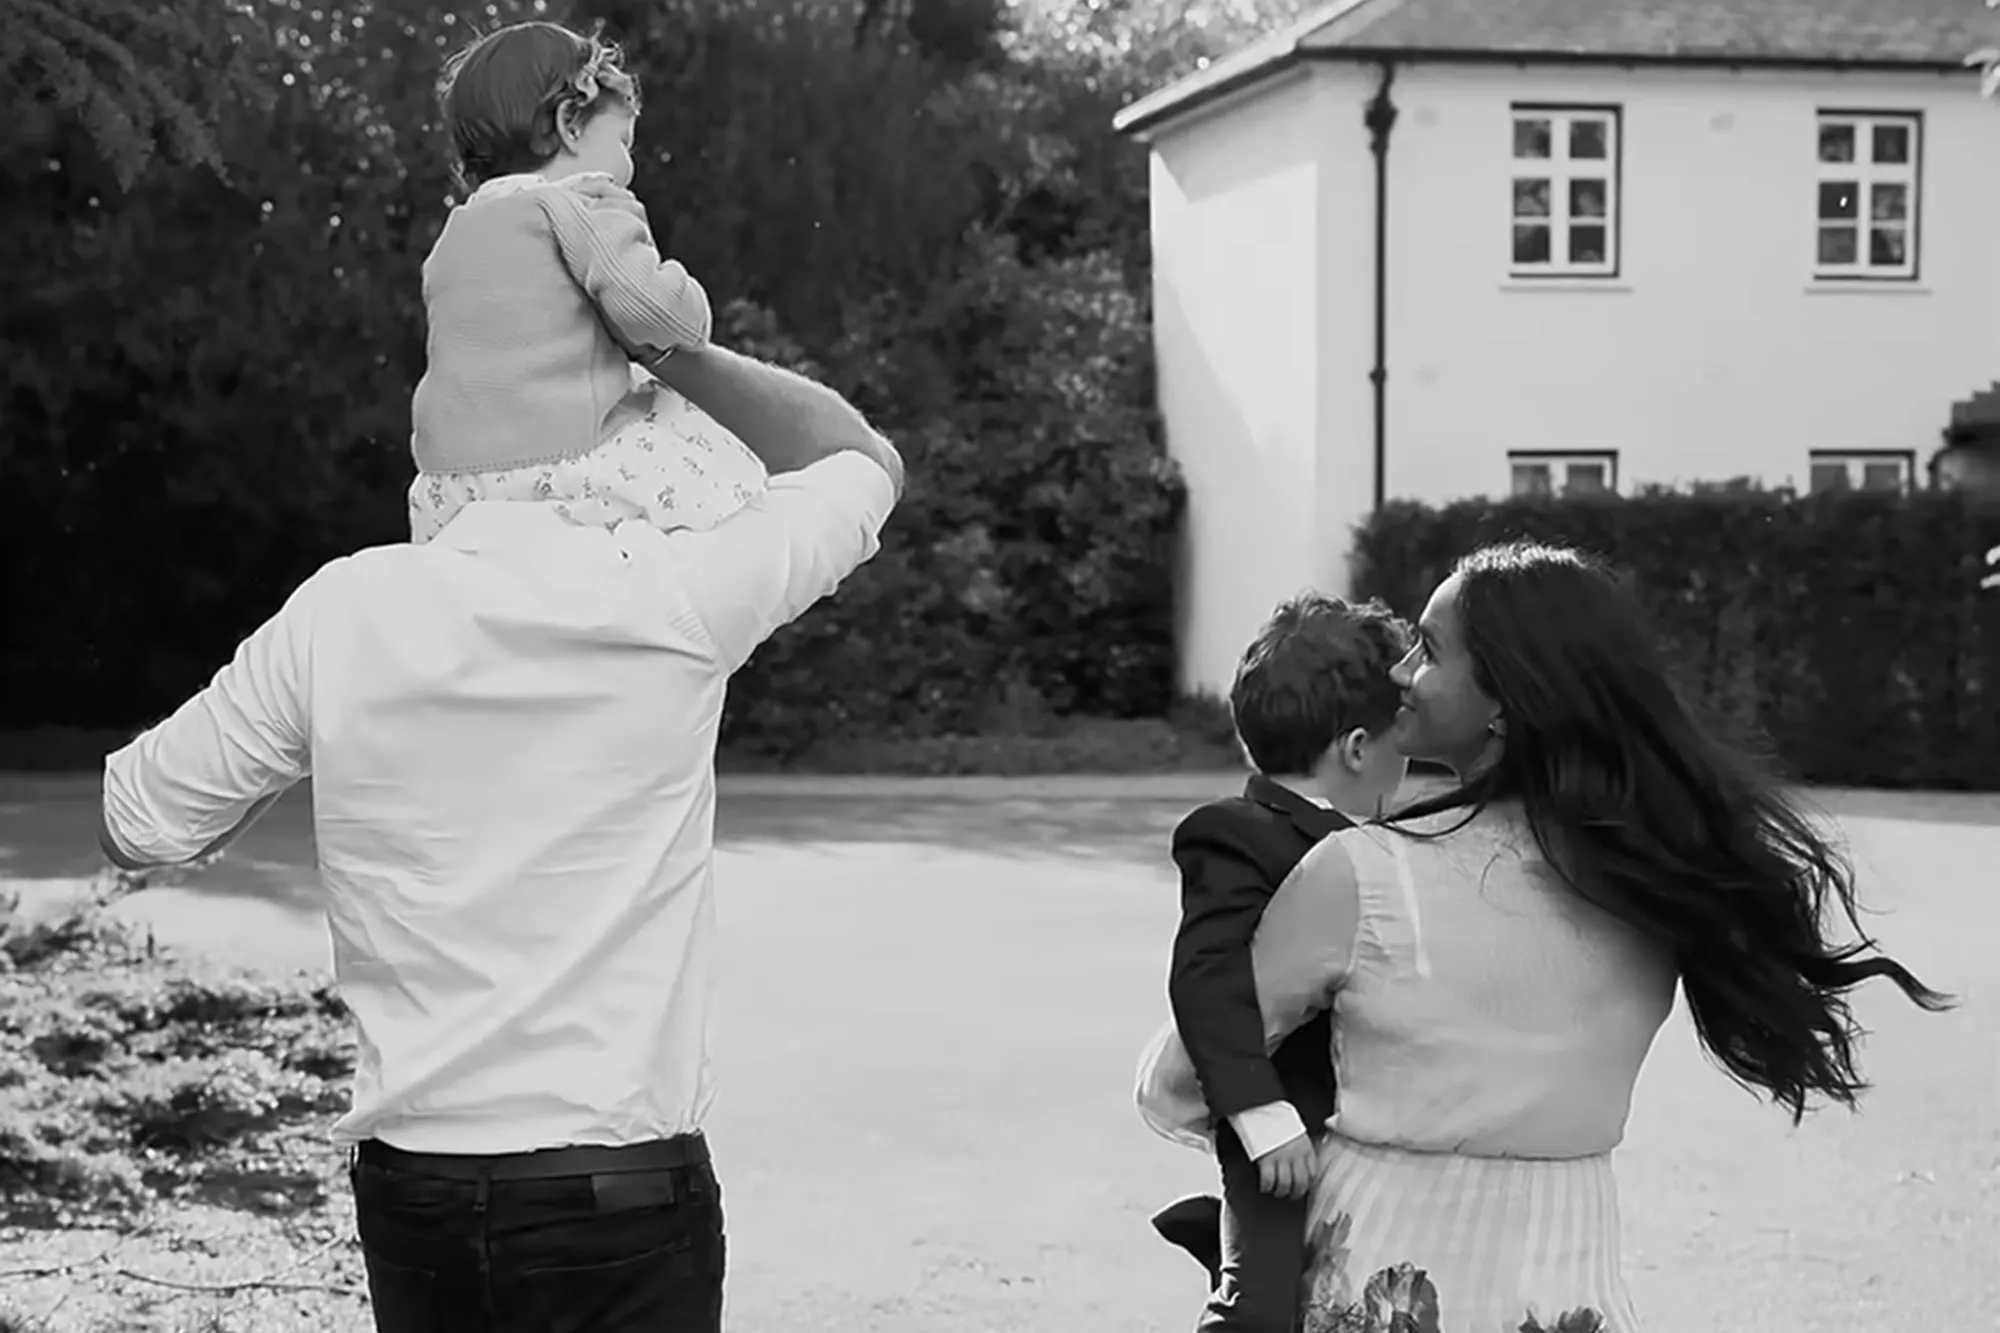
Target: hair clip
(584,81)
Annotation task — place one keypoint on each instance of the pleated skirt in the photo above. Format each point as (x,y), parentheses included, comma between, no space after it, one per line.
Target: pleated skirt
(1463,1244)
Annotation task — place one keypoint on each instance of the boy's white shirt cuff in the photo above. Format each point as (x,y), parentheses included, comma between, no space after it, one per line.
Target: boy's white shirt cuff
(1170,1102)
(1263,1129)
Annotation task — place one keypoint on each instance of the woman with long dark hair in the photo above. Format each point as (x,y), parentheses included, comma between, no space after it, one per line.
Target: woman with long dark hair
(1499,957)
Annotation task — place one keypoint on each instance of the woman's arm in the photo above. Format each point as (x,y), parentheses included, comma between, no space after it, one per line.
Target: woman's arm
(1305,942)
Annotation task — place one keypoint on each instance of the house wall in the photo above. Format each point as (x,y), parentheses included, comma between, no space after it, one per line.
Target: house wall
(1240,223)
(1714,354)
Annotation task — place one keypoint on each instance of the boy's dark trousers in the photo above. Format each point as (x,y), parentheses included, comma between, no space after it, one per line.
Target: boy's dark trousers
(1263,1251)
(1233,854)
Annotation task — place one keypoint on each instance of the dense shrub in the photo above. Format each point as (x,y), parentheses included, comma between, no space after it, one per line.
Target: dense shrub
(1849,629)
(205,377)
(129,1075)
(1033,549)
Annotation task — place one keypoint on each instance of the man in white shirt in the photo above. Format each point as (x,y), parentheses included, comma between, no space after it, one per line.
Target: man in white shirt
(511,733)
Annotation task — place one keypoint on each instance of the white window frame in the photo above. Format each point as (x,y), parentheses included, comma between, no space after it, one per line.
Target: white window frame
(1560,170)
(1867,175)
(1857,461)
(1559,463)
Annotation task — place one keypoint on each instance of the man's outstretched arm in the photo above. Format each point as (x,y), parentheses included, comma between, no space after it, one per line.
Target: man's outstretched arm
(188,786)
(118,856)
(788,421)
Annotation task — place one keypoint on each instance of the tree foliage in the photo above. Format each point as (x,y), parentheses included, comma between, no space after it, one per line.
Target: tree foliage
(206,354)
(134,74)
(1987,61)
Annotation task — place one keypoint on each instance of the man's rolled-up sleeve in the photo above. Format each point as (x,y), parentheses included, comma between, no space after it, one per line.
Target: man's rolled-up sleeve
(760,568)
(197,778)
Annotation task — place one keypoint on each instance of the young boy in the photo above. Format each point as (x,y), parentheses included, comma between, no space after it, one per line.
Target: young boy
(1312,703)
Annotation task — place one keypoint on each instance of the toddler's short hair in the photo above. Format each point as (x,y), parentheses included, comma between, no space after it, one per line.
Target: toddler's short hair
(1317,670)
(502,95)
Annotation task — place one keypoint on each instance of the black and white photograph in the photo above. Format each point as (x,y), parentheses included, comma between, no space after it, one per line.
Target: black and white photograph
(1000,666)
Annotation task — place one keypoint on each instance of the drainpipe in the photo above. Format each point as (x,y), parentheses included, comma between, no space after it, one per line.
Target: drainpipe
(1380,118)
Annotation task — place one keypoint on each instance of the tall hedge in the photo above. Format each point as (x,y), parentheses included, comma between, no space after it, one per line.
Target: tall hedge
(205,377)
(1847,629)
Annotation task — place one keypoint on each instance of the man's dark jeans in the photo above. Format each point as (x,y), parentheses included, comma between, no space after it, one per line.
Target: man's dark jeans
(466,1248)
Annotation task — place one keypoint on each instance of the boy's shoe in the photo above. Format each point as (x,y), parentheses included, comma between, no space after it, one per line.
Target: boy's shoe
(1195,1224)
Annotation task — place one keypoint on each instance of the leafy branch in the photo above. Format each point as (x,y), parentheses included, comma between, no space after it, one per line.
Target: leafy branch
(122,70)
(1987,61)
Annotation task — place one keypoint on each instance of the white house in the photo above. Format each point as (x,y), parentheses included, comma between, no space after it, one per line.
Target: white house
(1437,248)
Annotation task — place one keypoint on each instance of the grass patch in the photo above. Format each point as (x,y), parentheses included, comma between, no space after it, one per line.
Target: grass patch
(1195,736)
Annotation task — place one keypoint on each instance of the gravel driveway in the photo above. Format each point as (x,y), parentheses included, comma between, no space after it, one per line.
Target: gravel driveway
(936,992)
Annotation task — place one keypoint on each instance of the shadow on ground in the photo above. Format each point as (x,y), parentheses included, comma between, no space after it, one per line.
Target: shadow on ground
(48,831)
(48,826)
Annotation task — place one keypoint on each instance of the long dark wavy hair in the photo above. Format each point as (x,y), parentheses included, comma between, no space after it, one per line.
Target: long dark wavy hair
(1650,813)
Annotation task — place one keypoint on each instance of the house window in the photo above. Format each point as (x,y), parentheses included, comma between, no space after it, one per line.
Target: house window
(1565,192)
(1867,201)
(1563,473)
(1890,470)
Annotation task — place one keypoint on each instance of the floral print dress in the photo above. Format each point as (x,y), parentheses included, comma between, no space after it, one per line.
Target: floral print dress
(674,468)
(1489,1029)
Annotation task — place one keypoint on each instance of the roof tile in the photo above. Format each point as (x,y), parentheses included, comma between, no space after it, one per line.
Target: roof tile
(1913,31)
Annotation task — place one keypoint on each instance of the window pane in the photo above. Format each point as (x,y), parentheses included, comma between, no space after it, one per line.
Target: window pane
(1889,203)
(1828,477)
(1531,198)
(1839,245)
(1837,199)
(1531,479)
(1588,198)
(1531,243)
(1589,243)
(1888,247)
(1882,476)
(1532,137)
(1891,143)
(1836,143)
(1590,139)
(1584,479)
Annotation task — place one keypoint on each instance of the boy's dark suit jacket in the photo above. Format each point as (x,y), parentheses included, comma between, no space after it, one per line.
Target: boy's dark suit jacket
(1233,854)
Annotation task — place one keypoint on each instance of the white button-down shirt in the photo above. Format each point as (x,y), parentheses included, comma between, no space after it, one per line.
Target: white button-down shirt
(511,736)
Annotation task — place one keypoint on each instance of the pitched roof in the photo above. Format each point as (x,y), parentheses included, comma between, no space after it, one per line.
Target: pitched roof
(1858,34)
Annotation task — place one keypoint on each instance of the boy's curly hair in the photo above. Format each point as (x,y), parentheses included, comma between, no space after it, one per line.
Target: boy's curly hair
(1317,670)
(504,95)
